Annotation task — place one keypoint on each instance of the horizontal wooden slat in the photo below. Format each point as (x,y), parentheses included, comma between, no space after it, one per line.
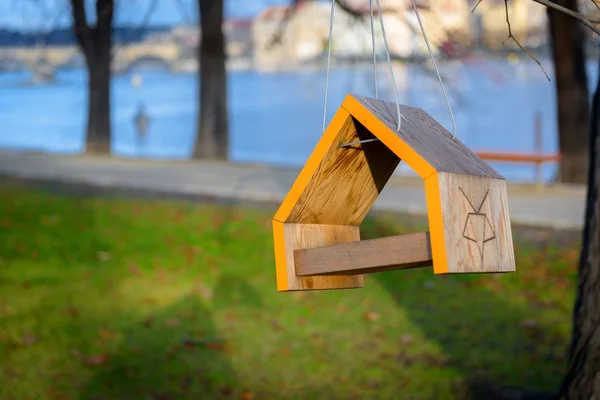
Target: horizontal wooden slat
(532,158)
(365,256)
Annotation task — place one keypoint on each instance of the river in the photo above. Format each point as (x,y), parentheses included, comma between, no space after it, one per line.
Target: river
(276,118)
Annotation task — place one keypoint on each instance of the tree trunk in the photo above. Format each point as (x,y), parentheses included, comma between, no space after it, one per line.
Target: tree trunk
(572,93)
(582,380)
(96,45)
(212,138)
(99,121)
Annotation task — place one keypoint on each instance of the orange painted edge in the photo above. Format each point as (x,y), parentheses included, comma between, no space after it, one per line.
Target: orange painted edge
(311,165)
(435,216)
(389,138)
(281,272)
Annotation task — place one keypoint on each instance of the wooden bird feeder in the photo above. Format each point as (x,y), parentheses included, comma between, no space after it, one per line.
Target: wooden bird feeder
(316,229)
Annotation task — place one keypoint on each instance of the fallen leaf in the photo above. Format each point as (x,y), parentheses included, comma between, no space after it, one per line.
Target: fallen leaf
(104,256)
(107,334)
(172,322)
(29,339)
(276,325)
(529,324)
(171,351)
(76,354)
(217,346)
(73,312)
(147,322)
(135,269)
(405,339)
(97,360)
(205,291)
(372,316)
(190,254)
(230,316)
(286,352)
(226,391)
(247,395)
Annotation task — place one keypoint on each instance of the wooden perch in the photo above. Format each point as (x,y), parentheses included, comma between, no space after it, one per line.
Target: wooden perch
(366,256)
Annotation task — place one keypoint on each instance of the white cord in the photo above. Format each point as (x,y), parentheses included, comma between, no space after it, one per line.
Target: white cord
(328,63)
(387,51)
(374,55)
(436,69)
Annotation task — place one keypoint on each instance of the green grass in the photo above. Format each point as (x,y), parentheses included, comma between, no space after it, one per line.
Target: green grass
(125,298)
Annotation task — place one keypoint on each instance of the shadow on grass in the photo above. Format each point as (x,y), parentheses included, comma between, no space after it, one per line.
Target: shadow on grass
(175,353)
(489,337)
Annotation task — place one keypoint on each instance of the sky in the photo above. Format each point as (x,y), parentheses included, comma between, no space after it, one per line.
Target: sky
(44,14)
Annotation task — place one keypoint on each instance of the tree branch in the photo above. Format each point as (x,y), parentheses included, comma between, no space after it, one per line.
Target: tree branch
(83,32)
(510,36)
(578,16)
(105,10)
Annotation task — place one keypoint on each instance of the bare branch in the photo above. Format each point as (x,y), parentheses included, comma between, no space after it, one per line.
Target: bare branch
(104,12)
(277,37)
(510,36)
(478,3)
(573,14)
(357,13)
(82,29)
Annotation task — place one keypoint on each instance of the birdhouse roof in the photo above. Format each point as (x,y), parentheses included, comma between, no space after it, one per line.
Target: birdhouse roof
(338,185)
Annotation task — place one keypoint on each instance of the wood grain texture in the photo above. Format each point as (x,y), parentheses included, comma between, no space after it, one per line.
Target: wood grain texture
(366,256)
(422,134)
(303,236)
(345,182)
(471,232)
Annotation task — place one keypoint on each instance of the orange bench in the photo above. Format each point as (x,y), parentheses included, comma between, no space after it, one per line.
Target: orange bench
(531,158)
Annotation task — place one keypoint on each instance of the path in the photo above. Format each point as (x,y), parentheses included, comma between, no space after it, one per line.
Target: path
(553,206)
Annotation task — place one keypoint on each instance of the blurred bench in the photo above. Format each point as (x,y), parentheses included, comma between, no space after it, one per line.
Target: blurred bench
(527,158)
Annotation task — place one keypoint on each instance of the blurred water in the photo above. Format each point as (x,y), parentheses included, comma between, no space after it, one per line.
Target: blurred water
(276,118)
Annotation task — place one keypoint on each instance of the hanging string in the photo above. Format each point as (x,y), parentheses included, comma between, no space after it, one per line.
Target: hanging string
(436,68)
(373,44)
(387,51)
(328,63)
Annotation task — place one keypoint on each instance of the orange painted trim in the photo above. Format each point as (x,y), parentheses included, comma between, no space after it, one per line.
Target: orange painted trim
(388,137)
(313,162)
(280,256)
(436,224)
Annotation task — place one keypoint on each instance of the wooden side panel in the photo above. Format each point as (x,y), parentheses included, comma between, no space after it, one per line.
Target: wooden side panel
(346,181)
(340,118)
(366,256)
(289,237)
(476,225)
(421,133)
